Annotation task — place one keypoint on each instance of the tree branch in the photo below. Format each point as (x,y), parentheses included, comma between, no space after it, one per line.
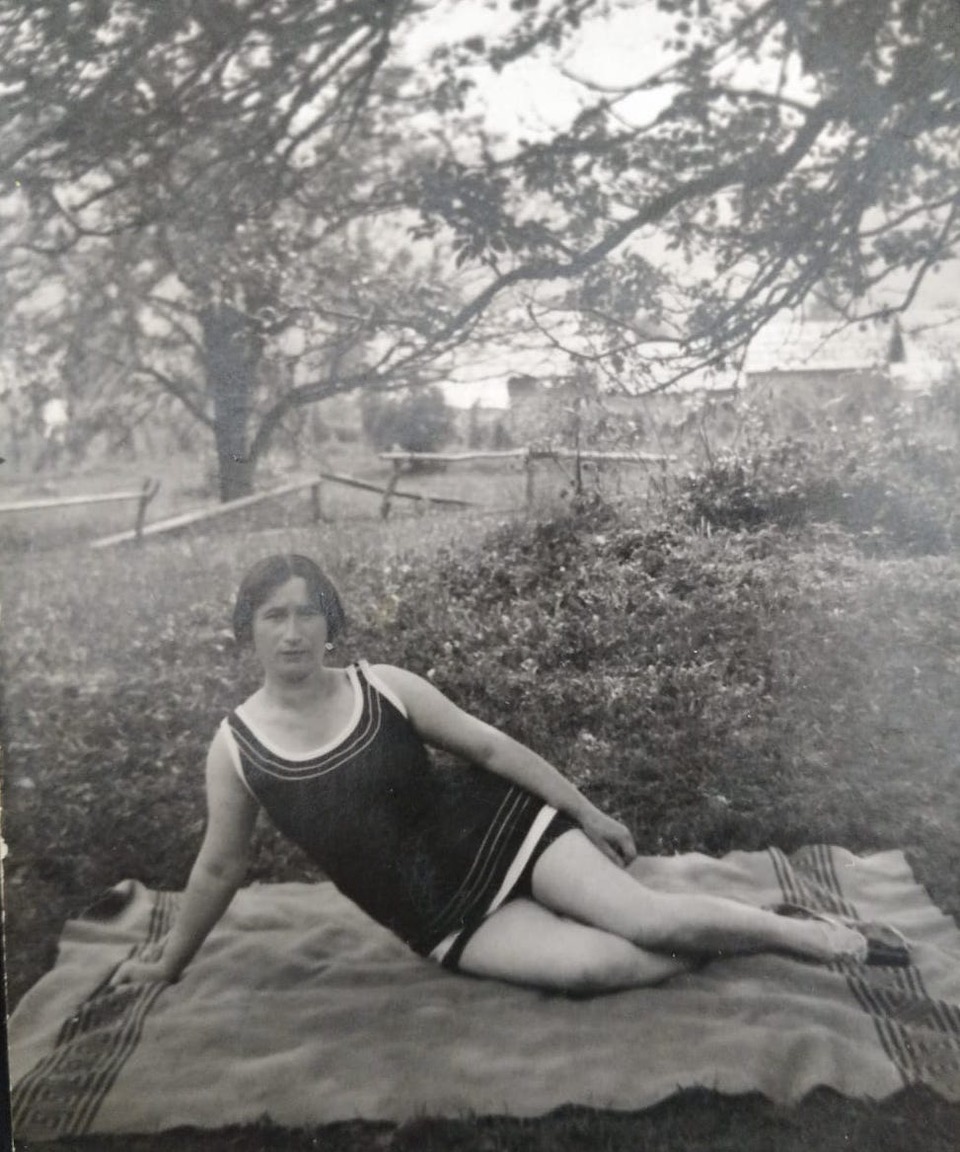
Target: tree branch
(181,391)
(750,173)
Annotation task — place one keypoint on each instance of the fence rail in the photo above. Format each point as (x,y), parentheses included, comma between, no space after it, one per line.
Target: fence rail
(528,456)
(197,516)
(142,495)
(454,457)
(314,484)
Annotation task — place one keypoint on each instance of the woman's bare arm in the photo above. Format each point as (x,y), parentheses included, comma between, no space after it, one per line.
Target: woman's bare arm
(443,724)
(217,873)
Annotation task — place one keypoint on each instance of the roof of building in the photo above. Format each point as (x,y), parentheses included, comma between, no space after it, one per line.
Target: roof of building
(792,345)
(929,344)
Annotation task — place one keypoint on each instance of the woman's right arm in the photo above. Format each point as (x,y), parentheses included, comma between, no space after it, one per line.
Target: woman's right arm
(217,873)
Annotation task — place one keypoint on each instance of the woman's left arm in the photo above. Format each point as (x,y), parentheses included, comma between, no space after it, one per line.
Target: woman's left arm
(442,724)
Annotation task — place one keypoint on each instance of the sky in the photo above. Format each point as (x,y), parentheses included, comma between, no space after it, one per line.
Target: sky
(531,97)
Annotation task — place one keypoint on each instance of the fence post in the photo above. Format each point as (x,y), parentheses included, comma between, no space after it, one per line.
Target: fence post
(528,468)
(389,490)
(147,492)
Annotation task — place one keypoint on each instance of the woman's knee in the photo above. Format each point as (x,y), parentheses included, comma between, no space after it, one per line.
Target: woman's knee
(575,879)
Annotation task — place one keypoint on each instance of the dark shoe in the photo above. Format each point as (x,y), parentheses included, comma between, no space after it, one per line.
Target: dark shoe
(886,946)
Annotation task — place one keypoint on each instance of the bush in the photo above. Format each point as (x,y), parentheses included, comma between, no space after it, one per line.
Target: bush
(637,658)
(715,692)
(891,487)
(418,421)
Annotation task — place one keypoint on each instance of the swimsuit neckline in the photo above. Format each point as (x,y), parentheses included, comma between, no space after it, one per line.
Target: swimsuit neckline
(324,749)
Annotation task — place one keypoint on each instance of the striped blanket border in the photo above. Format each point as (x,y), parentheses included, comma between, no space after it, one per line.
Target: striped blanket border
(61,1095)
(919,1033)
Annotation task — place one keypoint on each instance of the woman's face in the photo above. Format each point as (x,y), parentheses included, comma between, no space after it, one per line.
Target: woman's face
(289,632)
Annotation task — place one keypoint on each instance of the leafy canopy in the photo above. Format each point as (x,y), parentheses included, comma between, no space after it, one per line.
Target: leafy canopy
(276,160)
(776,146)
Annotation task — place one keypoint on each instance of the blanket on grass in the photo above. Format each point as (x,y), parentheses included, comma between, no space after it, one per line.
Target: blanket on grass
(300,1009)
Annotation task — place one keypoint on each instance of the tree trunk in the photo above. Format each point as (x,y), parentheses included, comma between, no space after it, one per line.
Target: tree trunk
(232,345)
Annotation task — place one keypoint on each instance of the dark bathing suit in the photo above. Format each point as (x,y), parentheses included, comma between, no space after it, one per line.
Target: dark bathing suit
(428,853)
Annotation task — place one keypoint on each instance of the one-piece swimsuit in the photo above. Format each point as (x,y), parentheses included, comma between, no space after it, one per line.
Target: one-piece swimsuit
(427,851)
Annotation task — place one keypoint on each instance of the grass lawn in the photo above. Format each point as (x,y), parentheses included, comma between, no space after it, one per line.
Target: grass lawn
(792,689)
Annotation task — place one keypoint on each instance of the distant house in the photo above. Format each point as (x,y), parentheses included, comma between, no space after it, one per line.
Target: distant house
(806,366)
(812,363)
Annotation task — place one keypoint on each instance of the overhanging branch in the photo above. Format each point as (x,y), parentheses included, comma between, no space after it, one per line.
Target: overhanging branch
(745,173)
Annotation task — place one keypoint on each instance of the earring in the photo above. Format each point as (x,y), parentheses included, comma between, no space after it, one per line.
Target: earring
(329,645)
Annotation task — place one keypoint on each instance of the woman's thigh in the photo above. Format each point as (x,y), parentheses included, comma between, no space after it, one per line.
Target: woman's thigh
(525,943)
(575,879)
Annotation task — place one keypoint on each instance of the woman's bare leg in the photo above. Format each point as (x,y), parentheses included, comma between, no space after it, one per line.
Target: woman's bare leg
(525,943)
(575,879)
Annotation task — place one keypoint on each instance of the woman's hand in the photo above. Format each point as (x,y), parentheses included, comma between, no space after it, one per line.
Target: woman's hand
(143,971)
(611,837)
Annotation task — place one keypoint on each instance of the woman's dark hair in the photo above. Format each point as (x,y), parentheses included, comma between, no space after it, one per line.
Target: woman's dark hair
(266,576)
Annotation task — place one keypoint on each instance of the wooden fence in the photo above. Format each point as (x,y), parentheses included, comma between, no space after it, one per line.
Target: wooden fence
(389,492)
(314,484)
(143,496)
(527,456)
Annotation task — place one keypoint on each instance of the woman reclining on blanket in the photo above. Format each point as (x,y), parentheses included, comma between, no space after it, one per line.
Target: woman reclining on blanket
(501,869)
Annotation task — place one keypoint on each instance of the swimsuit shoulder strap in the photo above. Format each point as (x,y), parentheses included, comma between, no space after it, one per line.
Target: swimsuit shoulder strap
(377,683)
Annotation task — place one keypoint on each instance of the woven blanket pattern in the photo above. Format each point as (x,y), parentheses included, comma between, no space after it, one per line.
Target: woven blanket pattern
(300,1009)
(919,1032)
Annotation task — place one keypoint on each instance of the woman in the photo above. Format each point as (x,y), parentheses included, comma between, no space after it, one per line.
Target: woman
(500,870)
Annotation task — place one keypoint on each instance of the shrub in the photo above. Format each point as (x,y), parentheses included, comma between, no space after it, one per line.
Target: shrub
(638,658)
(418,421)
(893,488)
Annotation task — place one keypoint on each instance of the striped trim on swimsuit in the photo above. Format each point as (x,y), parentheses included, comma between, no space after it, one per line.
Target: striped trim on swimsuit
(363,729)
(454,942)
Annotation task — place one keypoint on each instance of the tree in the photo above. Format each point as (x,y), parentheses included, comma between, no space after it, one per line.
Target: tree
(191,148)
(279,336)
(197,150)
(201,112)
(782,146)
(474,427)
(417,421)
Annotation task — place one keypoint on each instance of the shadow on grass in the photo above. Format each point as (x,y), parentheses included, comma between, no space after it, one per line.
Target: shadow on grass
(692,1121)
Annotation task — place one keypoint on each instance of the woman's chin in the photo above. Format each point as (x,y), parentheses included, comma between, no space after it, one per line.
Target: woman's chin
(294,671)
